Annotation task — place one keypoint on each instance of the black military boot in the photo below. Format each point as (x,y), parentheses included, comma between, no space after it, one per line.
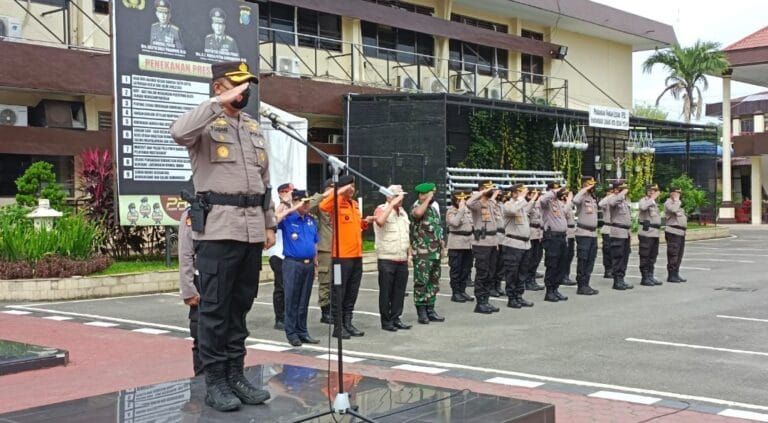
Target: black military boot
(467,297)
(482,306)
(523,301)
(421,312)
(512,302)
(551,296)
(241,387)
(626,285)
(531,285)
(493,308)
(218,394)
(586,290)
(618,284)
(646,280)
(560,296)
(353,331)
(432,314)
(325,314)
(458,298)
(653,278)
(340,330)
(567,281)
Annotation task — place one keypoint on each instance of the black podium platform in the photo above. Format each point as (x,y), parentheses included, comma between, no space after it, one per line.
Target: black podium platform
(296,392)
(18,357)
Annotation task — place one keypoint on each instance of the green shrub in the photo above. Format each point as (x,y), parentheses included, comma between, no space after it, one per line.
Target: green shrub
(693,199)
(39,181)
(72,236)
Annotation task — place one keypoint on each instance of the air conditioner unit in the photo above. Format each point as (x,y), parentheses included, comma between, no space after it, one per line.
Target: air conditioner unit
(13,115)
(436,85)
(10,27)
(494,93)
(464,84)
(335,139)
(406,83)
(290,66)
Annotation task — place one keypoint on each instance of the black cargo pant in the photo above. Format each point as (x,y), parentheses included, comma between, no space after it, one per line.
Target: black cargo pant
(607,259)
(499,276)
(229,281)
(393,279)
(675,250)
(555,250)
(570,251)
(620,251)
(649,250)
(197,366)
(485,267)
(531,260)
(586,247)
(346,293)
(512,259)
(278,295)
(460,266)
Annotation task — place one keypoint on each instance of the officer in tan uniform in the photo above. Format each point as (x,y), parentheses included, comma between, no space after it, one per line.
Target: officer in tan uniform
(517,233)
(498,274)
(648,235)
(566,198)
(459,222)
(555,245)
(620,226)
(605,232)
(586,237)
(674,233)
(533,255)
(484,249)
(233,220)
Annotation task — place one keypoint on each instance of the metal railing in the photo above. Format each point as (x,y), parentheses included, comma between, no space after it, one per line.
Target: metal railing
(468,179)
(400,70)
(69,11)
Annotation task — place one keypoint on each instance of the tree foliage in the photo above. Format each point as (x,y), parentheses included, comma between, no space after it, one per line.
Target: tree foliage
(39,181)
(648,111)
(687,68)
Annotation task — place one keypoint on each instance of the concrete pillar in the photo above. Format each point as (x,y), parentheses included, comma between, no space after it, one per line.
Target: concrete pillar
(759,122)
(736,127)
(757,190)
(352,33)
(727,213)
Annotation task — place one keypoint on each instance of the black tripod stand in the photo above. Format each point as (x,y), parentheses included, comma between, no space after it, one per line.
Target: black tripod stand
(341,404)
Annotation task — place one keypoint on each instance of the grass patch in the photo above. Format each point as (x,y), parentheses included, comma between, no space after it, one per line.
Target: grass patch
(369,245)
(138,266)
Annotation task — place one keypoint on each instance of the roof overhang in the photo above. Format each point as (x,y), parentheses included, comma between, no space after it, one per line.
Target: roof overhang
(749,65)
(585,17)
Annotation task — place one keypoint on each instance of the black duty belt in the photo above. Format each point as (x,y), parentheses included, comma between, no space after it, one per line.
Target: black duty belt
(682,228)
(651,225)
(585,227)
(462,233)
(237,200)
(519,238)
(535,225)
(620,226)
(554,233)
(571,226)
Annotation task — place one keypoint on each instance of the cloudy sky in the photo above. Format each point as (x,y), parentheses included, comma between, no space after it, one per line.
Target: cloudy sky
(725,23)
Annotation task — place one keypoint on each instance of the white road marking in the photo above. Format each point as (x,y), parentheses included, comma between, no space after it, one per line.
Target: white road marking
(740,414)
(150,331)
(420,369)
(687,254)
(620,396)
(57,318)
(397,358)
(729,249)
(697,347)
(686,258)
(102,324)
(345,358)
(268,347)
(98,317)
(17,312)
(743,318)
(97,299)
(514,382)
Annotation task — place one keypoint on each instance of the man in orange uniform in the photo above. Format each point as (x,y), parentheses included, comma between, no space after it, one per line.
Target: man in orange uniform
(348,252)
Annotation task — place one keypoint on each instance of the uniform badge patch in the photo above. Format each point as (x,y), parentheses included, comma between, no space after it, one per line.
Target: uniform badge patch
(222,151)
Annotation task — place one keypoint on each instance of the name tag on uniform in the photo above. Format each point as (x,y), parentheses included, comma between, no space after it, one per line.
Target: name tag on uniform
(485,215)
(590,209)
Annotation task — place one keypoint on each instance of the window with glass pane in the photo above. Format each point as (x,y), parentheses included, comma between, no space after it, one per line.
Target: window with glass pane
(425,45)
(370,38)
(329,26)
(406,46)
(532,64)
(306,23)
(387,40)
(281,19)
(454,54)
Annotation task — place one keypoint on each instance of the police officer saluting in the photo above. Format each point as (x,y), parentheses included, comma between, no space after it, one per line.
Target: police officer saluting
(233,220)
(459,221)
(484,248)
(532,256)
(517,233)
(674,233)
(620,226)
(650,223)
(586,237)
(553,220)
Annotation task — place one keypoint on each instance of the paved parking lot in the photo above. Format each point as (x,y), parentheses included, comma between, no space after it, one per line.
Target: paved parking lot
(702,342)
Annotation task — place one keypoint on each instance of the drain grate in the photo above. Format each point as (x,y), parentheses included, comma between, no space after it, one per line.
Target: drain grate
(735,289)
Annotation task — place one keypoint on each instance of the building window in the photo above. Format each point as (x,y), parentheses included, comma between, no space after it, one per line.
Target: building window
(405,6)
(280,23)
(532,64)
(386,42)
(105,121)
(748,125)
(466,20)
(101,7)
(470,57)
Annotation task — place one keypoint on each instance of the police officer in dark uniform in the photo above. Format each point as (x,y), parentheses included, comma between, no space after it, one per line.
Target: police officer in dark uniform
(648,235)
(586,237)
(233,220)
(555,245)
(485,247)
(532,256)
(620,227)
(674,233)
(459,221)
(605,232)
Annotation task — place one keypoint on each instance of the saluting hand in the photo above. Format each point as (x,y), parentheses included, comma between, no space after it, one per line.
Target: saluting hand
(232,94)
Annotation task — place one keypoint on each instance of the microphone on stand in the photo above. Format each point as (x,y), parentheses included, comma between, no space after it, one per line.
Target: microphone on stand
(274,117)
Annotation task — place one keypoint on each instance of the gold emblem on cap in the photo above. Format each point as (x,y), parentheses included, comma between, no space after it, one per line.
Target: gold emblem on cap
(591,181)
(222,151)
(243,67)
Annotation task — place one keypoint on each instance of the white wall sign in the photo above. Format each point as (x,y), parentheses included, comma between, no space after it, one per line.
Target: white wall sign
(608,117)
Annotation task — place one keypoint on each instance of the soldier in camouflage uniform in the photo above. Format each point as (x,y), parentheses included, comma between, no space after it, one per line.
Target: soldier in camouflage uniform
(427,245)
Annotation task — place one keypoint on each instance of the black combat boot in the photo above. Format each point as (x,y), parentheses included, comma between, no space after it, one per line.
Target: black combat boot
(218,394)
(586,290)
(523,301)
(618,284)
(482,306)
(567,281)
(560,296)
(340,330)
(531,285)
(626,285)
(492,307)
(646,280)
(241,387)
(353,331)
(550,296)
(432,314)
(653,278)
(325,314)
(467,297)
(421,312)
(458,298)
(512,302)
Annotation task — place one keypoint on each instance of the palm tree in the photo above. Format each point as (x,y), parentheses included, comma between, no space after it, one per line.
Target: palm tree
(687,67)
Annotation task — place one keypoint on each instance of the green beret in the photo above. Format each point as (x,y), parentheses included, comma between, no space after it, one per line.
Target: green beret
(425,187)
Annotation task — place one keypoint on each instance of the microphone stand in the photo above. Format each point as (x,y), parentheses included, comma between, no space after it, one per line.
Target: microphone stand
(341,404)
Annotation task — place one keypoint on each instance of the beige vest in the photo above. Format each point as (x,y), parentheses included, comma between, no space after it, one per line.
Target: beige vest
(392,239)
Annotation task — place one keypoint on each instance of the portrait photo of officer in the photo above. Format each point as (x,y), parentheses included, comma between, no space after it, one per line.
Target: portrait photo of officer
(164,33)
(218,41)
